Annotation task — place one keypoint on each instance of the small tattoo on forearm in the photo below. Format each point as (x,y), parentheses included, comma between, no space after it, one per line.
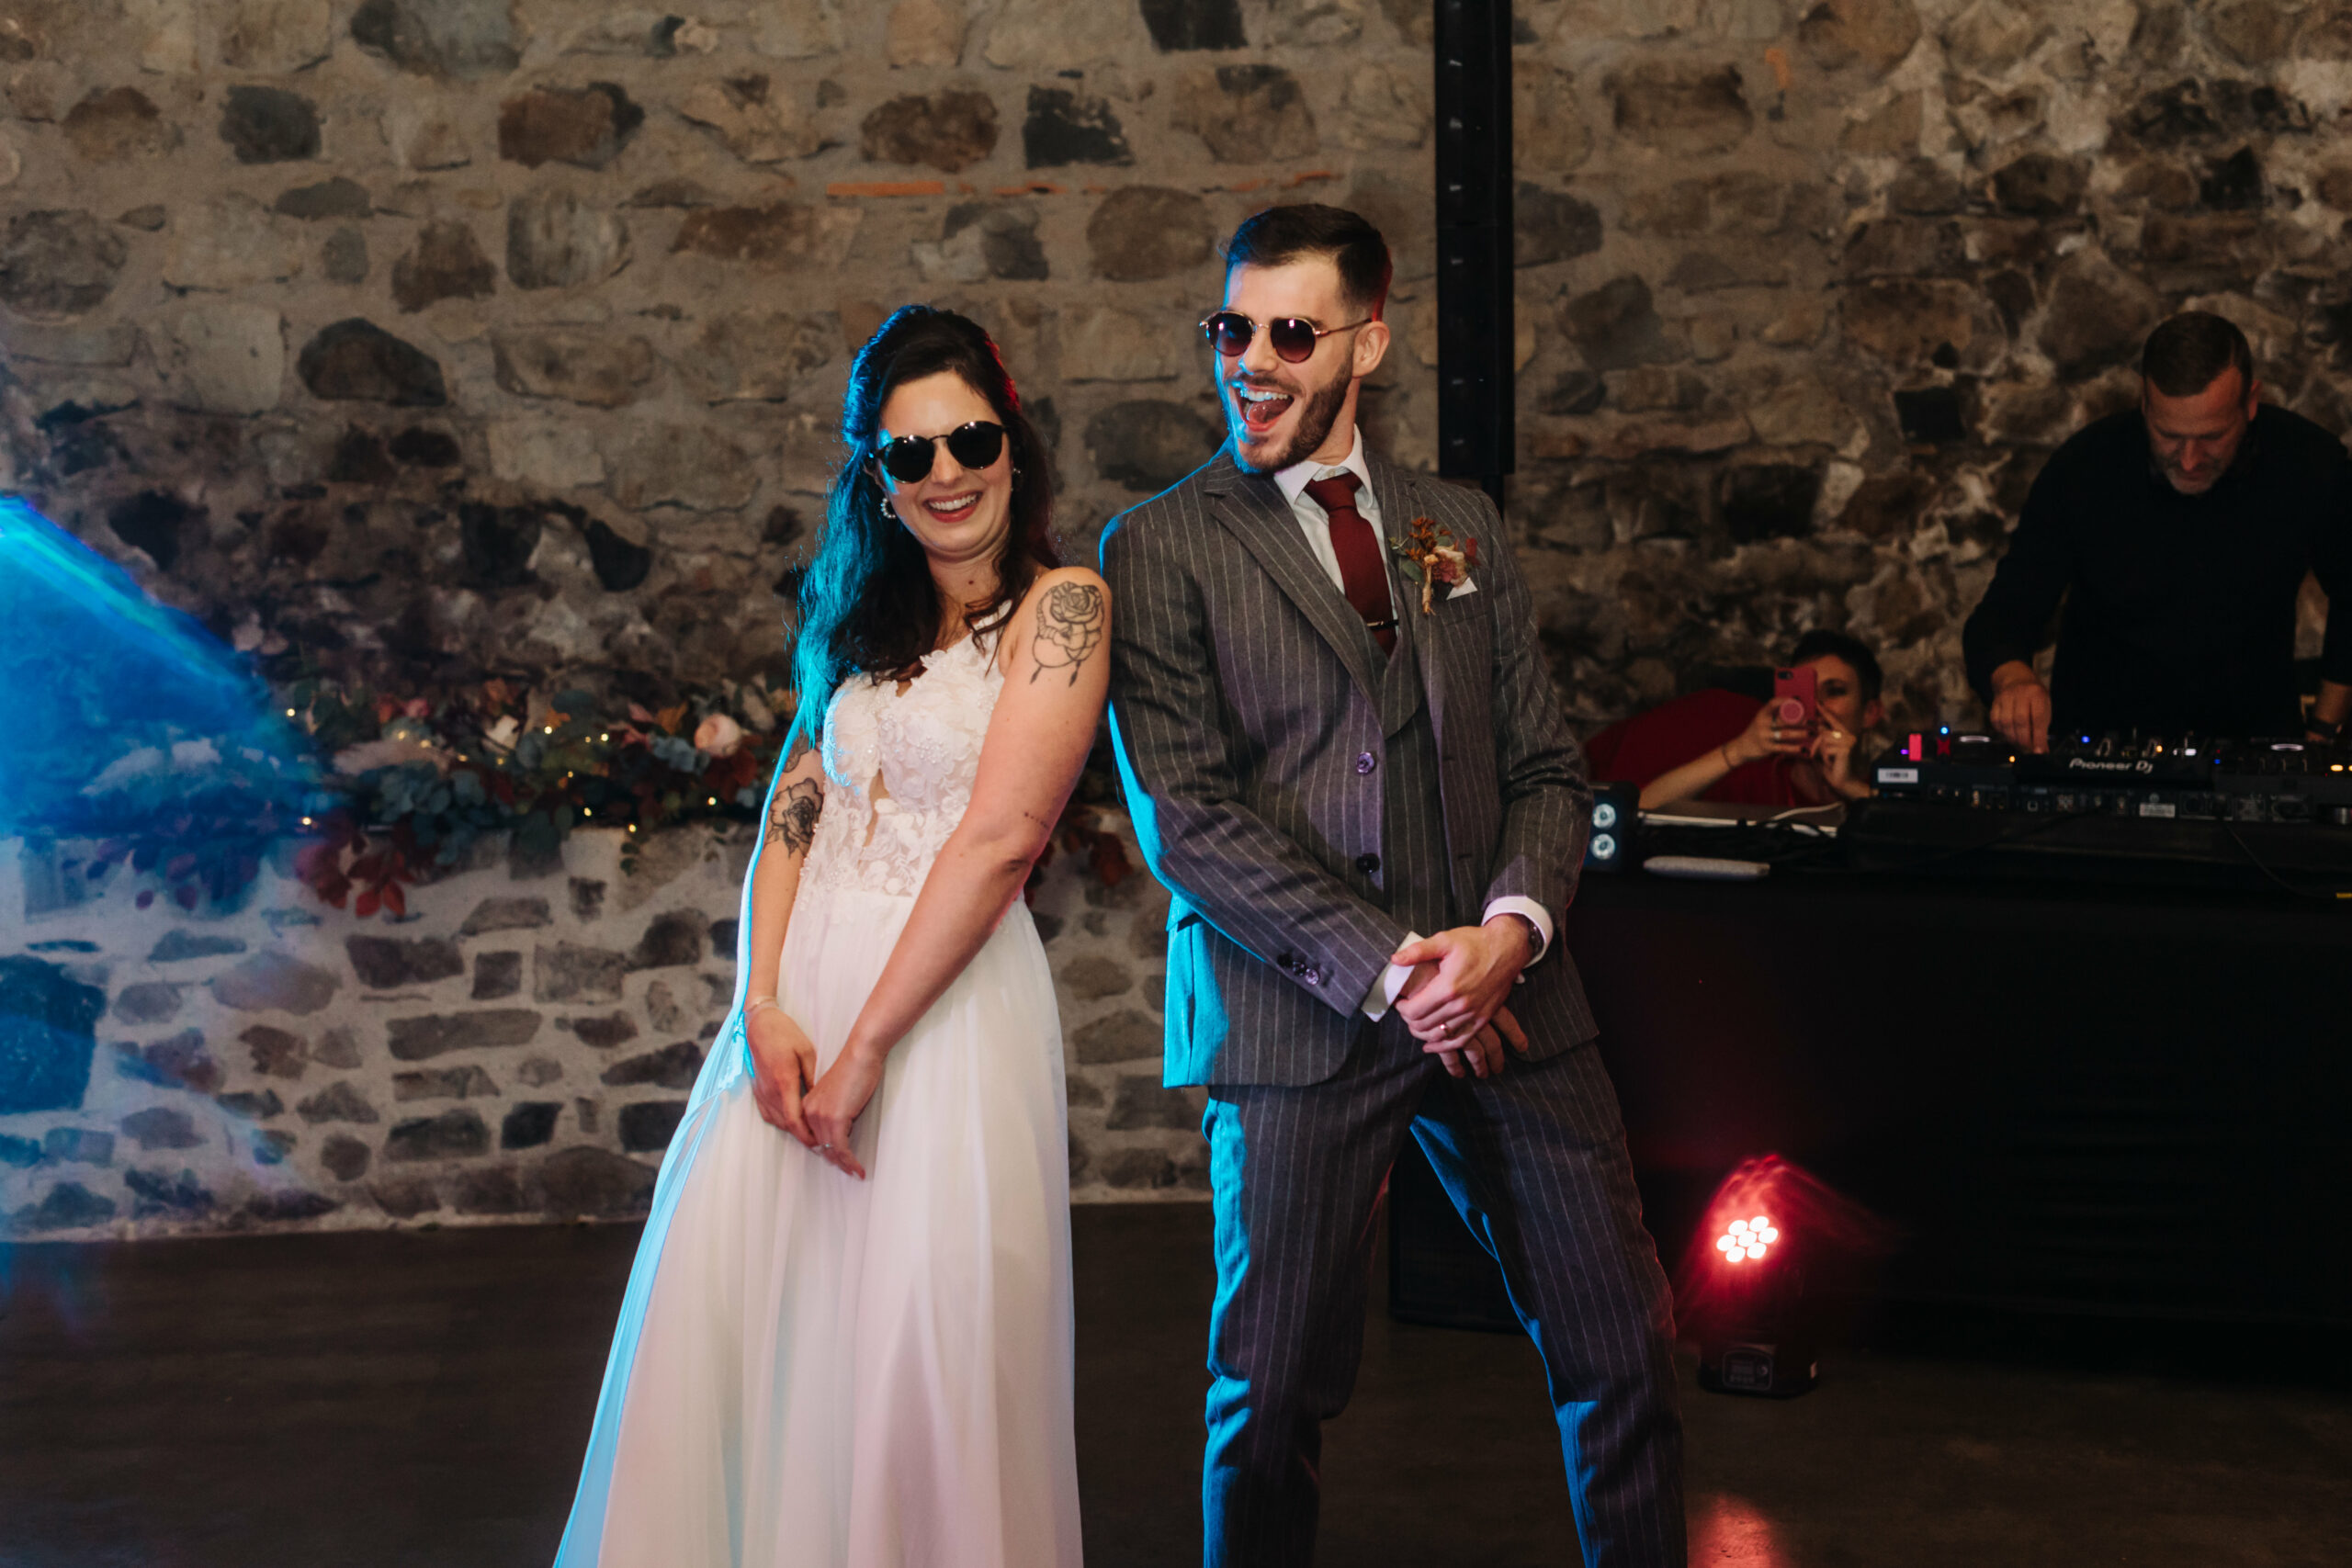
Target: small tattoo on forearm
(792,818)
(1041,822)
(1070,628)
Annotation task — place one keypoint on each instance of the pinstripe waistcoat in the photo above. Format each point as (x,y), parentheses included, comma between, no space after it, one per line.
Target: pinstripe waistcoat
(1305,800)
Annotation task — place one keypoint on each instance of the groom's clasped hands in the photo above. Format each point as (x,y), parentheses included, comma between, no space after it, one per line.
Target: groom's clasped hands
(1453,1000)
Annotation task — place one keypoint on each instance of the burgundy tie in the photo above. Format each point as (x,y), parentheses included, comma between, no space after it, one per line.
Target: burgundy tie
(1363,578)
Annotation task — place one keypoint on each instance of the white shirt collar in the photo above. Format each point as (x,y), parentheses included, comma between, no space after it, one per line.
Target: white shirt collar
(1295,479)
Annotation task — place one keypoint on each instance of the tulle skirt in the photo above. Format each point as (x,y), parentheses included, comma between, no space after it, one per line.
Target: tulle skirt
(812,1372)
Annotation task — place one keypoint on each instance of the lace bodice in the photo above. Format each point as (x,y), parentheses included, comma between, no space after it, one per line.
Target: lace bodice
(898,770)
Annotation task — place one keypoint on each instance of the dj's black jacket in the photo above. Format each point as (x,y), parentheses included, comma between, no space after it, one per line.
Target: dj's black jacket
(2179,610)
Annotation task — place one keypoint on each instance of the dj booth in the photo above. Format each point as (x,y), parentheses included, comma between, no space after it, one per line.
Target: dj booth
(2114,1080)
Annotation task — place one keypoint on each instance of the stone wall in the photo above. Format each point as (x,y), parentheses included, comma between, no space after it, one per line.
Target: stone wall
(520,1047)
(433,337)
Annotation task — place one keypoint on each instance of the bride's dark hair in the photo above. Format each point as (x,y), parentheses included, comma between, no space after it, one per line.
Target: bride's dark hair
(869,601)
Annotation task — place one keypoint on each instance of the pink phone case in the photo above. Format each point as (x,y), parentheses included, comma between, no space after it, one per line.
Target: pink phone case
(1792,697)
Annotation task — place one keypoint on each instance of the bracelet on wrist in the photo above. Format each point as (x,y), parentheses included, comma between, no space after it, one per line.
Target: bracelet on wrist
(757,1004)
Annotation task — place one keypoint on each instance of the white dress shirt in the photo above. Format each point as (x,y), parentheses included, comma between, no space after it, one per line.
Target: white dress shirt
(1316,523)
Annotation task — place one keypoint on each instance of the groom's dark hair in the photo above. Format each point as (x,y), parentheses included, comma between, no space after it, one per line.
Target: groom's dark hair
(1280,235)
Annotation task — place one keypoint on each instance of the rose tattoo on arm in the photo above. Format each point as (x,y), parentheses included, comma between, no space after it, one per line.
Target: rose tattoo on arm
(1070,628)
(792,818)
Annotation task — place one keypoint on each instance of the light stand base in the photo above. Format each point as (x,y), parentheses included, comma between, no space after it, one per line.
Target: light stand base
(1762,1369)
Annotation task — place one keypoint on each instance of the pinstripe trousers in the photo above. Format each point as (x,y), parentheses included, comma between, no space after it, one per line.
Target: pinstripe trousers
(1535,1160)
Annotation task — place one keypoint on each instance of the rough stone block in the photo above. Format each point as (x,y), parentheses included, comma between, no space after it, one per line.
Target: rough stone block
(252,1107)
(354,360)
(1093,975)
(649,1124)
(116,125)
(446,263)
(58,264)
(586,129)
(1184,25)
(544,455)
(1615,327)
(497,975)
(340,1101)
(599,369)
(385,963)
(346,1158)
(177,946)
(757,122)
(156,1194)
(1872,34)
(784,236)
(723,936)
(277,38)
(760,356)
(77,1146)
(1679,108)
(493,1191)
(687,466)
(457,38)
(288,1206)
(673,941)
(69,1205)
(603,1034)
(337,1048)
(22,1153)
(418,1039)
(153,1002)
(673,1067)
(539,1071)
(224,358)
(555,241)
(162,1127)
(1148,445)
(406,1199)
(453,1135)
(948,131)
(1551,226)
(269,125)
(507,915)
(587,900)
(48,1035)
(1126,1035)
(592,1181)
(444,1083)
(1138,1102)
(1246,114)
(1064,127)
(276,1053)
(529,1125)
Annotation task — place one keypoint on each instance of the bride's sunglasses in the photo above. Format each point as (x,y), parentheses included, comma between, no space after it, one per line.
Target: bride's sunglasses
(1293,337)
(908,458)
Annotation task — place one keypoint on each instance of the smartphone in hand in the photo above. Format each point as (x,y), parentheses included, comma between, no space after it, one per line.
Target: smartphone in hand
(1793,698)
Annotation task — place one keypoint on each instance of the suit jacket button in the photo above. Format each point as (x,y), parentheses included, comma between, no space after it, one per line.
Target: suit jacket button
(1286,961)
(1313,977)
(1365,762)
(1368,864)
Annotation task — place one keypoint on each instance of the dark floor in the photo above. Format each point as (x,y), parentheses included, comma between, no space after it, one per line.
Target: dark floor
(421,1398)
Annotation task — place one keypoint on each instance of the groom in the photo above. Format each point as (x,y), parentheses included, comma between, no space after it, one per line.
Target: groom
(1370,817)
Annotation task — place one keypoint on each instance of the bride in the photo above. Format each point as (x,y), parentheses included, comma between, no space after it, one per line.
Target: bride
(846,1340)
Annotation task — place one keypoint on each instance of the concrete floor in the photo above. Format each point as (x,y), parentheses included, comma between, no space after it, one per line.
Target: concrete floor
(421,1398)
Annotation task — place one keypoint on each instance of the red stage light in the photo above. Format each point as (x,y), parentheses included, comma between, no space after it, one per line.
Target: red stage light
(1747,1239)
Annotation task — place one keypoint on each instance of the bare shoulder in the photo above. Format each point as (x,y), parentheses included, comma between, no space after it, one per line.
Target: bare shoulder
(1060,623)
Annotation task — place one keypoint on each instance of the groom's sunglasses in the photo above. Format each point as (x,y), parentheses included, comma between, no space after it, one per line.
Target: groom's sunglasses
(907,460)
(1293,337)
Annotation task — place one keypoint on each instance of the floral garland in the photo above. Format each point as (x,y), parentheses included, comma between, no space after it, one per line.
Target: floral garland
(394,790)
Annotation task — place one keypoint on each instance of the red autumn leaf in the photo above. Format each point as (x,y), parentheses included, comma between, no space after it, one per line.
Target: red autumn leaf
(1109,858)
(368,904)
(394,899)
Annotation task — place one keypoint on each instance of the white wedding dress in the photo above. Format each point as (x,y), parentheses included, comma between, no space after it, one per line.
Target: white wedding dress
(813,1371)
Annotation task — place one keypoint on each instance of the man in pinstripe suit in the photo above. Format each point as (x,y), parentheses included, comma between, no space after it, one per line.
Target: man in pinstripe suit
(1370,819)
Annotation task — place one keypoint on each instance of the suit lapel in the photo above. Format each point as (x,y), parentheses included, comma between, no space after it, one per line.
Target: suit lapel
(1423,633)
(1252,508)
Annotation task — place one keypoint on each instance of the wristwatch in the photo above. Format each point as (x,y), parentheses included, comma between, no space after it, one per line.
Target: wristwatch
(1535,935)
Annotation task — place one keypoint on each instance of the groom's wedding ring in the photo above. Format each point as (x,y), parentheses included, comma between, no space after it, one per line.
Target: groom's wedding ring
(823,1147)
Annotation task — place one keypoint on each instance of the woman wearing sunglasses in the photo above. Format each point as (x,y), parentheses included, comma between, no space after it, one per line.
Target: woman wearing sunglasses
(847,1336)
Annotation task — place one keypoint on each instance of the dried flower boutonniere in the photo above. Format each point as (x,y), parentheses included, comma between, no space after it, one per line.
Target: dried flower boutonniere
(1429,556)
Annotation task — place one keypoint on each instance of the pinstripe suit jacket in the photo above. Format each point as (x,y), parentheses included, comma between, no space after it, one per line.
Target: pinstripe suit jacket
(1246,705)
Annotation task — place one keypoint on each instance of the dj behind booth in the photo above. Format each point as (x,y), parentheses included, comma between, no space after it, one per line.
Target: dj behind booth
(2178,536)
(2067,1005)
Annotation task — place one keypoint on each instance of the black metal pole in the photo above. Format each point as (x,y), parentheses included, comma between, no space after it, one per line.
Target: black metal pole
(1476,431)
